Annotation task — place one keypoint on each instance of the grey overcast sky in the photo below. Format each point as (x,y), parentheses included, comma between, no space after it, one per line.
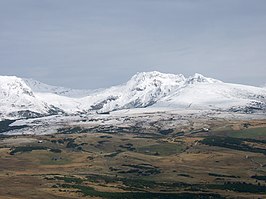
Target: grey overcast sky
(100,43)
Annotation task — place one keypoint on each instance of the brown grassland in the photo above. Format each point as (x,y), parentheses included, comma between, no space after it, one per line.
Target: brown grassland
(227,161)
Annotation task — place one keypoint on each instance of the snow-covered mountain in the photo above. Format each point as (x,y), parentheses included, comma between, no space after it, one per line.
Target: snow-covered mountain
(216,95)
(39,87)
(18,100)
(144,89)
(175,91)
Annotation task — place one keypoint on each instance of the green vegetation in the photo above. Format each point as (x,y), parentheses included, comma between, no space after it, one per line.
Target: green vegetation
(106,136)
(259,177)
(235,143)
(22,149)
(4,126)
(136,183)
(141,184)
(133,183)
(184,175)
(102,141)
(89,191)
(56,150)
(111,155)
(27,149)
(52,158)
(163,149)
(250,133)
(239,187)
(69,179)
(143,170)
(72,145)
(222,175)
(71,130)
(128,146)
(166,131)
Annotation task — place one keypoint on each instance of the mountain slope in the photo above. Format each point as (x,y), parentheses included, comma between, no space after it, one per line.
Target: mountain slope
(216,95)
(39,87)
(18,100)
(167,90)
(142,90)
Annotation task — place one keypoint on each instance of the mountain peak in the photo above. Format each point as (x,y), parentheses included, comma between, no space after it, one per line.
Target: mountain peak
(199,78)
(18,100)
(142,90)
(155,75)
(154,80)
(12,85)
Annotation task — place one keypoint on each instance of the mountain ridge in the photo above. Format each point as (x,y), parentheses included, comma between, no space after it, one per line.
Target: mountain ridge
(17,98)
(40,87)
(144,89)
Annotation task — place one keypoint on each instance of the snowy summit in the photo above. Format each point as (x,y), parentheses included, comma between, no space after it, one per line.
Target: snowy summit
(30,98)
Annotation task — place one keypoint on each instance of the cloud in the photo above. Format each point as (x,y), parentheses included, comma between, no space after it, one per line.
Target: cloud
(91,44)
